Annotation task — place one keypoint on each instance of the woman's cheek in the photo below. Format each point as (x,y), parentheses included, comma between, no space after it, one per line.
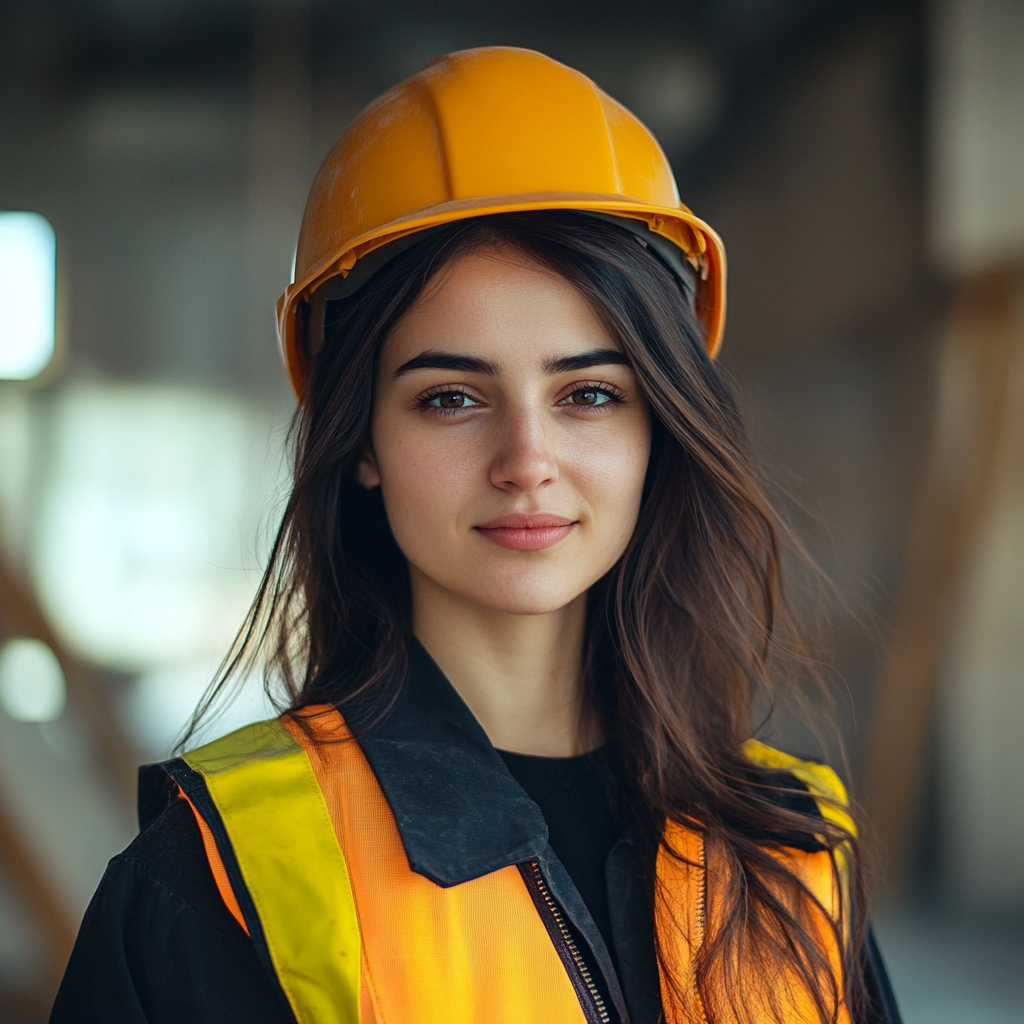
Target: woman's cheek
(610,472)
(424,485)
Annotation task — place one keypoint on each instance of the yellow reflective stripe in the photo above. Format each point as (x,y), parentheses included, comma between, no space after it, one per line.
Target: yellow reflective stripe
(262,783)
(825,786)
(831,797)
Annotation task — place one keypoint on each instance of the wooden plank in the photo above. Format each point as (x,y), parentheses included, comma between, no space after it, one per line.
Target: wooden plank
(117,761)
(39,897)
(23,1007)
(21,615)
(970,411)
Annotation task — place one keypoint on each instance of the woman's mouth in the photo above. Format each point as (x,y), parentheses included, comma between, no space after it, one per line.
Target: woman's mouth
(527,531)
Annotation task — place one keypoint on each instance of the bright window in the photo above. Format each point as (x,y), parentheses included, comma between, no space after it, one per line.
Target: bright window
(28,272)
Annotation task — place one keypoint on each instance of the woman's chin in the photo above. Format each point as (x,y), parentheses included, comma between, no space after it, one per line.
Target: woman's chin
(517,596)
(526,605)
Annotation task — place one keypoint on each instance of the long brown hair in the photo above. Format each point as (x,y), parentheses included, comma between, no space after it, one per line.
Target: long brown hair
(687,634)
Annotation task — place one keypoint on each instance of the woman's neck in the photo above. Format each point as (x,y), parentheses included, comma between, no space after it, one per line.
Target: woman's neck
(519,674)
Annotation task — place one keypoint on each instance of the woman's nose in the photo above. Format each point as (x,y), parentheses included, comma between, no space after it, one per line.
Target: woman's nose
(525,458)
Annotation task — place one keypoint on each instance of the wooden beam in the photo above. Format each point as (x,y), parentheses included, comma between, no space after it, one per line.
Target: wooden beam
(37,893)
(970,411)
(23,1007)
(21,615)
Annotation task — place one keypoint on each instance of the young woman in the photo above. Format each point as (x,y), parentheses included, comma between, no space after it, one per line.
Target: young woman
(523,601)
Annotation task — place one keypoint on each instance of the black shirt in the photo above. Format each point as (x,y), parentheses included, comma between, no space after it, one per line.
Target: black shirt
(576,795)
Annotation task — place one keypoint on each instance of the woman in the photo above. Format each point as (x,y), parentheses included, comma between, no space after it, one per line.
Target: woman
(523,600)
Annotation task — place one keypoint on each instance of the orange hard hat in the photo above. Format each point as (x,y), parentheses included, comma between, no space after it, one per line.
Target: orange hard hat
(492,130)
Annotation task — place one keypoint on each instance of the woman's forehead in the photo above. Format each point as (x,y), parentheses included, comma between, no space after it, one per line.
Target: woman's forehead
(500,305)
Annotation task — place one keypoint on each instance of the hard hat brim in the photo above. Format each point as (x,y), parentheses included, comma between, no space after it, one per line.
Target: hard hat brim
(698,241)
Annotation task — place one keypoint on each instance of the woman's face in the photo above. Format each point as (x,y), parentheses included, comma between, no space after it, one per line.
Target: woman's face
(510,439)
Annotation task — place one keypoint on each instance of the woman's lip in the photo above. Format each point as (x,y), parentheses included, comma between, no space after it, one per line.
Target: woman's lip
(526,539)
(525,521)
(527,531)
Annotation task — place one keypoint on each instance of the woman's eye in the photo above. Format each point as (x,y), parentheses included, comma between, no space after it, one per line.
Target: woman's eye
(589,397)
(450,400)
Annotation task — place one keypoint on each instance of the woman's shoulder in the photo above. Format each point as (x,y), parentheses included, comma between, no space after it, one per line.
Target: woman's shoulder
(802,784)
(157,944)
(820,779)
(169,851)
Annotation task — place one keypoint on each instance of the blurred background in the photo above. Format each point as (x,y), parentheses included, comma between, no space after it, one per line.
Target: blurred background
(864,162)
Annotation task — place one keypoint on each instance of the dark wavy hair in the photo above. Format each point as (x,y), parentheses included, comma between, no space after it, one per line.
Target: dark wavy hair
(690,628)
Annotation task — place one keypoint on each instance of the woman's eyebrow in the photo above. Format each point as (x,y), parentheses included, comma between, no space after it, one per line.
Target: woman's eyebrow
(595,357)
(432,359)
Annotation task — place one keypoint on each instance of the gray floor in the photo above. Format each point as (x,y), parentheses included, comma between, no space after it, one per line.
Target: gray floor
(947,971)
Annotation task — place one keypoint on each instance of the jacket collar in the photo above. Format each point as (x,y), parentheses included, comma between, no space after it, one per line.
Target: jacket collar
(459,811)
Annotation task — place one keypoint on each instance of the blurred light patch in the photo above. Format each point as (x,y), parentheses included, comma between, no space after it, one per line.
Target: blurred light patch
(678,95)
(162,128)
(161,704)
(28,275)
(19,458)
(32,685)
(139,555)
(976,137)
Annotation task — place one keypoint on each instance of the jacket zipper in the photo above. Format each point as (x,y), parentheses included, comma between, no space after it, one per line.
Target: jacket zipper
(702,917)
(594,1008)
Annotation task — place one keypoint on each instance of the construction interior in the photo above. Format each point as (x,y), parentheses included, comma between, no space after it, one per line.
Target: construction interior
(864,163)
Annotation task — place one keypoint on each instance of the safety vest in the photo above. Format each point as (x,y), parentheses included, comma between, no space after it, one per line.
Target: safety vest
(306,855)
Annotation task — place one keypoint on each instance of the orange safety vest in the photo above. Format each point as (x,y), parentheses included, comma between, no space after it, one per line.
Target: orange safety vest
(404,877)
(299,833)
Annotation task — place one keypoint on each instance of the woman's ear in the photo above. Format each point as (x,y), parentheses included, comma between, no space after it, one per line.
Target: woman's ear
(367,474)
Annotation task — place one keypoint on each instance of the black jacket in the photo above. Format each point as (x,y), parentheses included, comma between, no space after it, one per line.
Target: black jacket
(158,946)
